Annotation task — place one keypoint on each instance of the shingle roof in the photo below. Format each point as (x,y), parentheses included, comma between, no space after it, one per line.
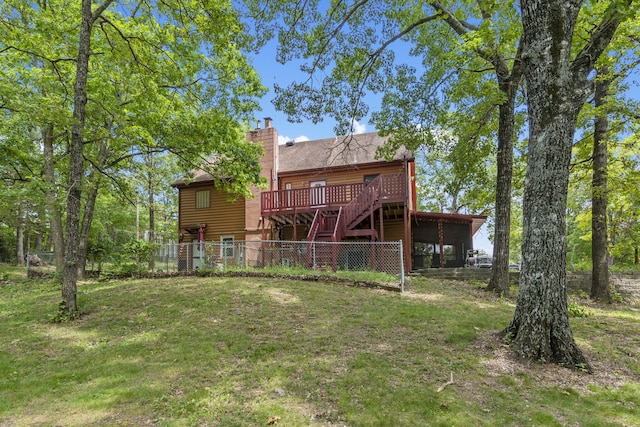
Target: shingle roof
(335,152)
(339,151)
(196,175)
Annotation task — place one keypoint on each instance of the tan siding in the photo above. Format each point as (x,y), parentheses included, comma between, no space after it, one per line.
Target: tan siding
(393,231)
(223,217)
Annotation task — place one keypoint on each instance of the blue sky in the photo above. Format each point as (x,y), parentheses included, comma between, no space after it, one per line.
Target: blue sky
(273,72)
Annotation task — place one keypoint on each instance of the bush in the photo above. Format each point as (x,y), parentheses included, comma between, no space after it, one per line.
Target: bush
(577,310)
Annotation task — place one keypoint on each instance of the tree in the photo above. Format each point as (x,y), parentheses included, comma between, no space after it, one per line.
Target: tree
(446,183)
(145,77)
(558,83)
(600,289)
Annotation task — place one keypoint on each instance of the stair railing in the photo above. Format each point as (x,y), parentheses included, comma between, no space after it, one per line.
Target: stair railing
(315,225)
(339,228)
(362,202)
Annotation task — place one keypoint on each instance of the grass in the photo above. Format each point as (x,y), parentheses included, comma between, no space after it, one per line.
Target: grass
(193,351)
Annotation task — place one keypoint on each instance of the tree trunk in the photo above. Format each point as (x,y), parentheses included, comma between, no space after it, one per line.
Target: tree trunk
(87,218)
(51,196)
(500,269)
(76,164)
(600,289)
(20,237)
(152,211)
(95,180)
(540,327)
(38,244)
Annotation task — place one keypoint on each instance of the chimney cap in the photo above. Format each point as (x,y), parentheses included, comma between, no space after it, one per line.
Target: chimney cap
(267,122)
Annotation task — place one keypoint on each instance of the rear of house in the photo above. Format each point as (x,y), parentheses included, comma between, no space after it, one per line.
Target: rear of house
(330,190)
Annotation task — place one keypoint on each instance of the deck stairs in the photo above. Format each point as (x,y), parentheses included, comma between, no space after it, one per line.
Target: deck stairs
(332,225)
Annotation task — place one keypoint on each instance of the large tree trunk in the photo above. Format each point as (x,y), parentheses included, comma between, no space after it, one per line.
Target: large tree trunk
(51,196)
(540,327)
(76,164)
(600,289)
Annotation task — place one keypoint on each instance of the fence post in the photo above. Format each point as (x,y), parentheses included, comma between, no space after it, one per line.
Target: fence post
(313,255)
(401,268)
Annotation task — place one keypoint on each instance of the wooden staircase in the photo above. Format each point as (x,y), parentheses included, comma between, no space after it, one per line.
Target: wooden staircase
(331,226)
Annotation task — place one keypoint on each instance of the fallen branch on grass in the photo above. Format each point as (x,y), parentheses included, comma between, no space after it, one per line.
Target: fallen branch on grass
(443,386)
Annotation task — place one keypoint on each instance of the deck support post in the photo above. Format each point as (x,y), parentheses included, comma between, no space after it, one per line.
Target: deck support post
(441,242)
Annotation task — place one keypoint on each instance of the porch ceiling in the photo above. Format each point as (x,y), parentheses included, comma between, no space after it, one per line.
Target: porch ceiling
(476,221)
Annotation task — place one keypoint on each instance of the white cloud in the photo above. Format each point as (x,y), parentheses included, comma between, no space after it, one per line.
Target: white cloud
(283,139)
(358,127)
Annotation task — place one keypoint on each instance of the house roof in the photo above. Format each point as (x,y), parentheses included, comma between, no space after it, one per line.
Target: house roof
(336,152)
(197,175)
(475,220)
(339,151)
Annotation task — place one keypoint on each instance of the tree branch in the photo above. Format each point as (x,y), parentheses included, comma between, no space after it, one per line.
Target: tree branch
(457,26)
(587,57)
(374,56)
(98,12)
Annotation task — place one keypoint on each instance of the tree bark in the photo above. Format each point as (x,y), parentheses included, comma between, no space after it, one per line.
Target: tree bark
(540,327)
(20,237)
(76,164)
(51,196)
(499,282)
(600,289)
(152,210)
(95,180)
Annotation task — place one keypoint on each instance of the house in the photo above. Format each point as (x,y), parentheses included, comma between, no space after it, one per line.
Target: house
(331,189)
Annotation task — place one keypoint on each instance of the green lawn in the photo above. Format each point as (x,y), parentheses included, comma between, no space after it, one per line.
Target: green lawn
(196,351)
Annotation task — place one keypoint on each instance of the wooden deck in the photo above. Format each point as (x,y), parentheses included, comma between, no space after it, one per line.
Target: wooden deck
(384,189)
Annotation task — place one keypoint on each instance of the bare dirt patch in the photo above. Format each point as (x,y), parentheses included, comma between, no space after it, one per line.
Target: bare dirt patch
(500,360)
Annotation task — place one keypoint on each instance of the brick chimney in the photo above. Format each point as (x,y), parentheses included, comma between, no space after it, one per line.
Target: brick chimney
(268,137)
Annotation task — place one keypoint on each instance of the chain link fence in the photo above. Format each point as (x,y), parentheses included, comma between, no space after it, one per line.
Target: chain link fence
(294,257)
(381,257)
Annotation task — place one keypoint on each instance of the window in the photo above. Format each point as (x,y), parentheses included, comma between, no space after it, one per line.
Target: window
(449,252)
(288,187)
(369,178)
(202,199)
(226,248)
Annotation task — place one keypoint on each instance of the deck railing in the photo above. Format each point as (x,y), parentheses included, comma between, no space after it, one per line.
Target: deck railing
(329,196)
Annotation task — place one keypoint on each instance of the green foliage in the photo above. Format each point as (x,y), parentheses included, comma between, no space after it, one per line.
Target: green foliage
(63,315)
(577,310)
(623,204)
(168,79)
(439,99)
(140,250)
